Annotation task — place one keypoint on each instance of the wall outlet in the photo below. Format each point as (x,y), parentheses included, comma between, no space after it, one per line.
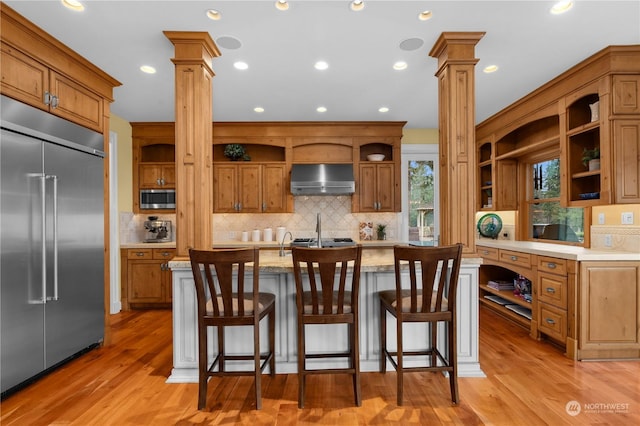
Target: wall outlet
(600,218)
(627,218)
(607,240)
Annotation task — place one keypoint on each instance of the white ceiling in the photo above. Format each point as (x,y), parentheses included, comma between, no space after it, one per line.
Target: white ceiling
(529,44)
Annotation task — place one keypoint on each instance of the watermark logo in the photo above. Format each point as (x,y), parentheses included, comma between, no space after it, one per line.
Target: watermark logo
(573,408)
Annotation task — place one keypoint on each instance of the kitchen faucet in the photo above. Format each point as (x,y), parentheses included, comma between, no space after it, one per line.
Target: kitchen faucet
(319,229)
(282,242)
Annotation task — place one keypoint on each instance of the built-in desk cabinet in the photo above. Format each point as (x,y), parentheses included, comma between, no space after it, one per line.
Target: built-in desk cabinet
(553,280)
(590,308)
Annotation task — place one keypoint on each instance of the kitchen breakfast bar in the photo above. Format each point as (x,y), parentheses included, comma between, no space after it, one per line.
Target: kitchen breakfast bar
(276,276)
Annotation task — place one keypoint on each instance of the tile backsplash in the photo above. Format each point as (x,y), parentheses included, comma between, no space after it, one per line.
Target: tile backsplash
(337,221)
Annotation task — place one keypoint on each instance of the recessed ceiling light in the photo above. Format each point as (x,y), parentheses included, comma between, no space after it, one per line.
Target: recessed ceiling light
(214,15)
(258,109)
(321,109)
(240,65)
(383,109)
(425,15)
(148,69)
(490,68)
(321,65)
(282,5)
(73,5)
(400,65)
(561,7)
(357,5)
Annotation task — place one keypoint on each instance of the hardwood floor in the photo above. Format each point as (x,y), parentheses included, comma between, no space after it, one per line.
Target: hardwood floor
(527,383)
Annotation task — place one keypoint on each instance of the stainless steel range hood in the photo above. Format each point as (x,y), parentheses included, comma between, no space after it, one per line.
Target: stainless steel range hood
(322,179)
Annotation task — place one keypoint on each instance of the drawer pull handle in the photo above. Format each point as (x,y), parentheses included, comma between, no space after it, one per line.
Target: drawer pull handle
(139,253)
(165,253)
(550,321)
(551,265)
(486,252)
(514,258)
(551,290)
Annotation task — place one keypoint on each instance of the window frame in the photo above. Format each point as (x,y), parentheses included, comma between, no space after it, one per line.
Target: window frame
(525,198)
(419,152)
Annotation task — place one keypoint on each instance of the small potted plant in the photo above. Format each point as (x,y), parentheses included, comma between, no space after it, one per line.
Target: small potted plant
(591,158)
(235,152)
(381,231)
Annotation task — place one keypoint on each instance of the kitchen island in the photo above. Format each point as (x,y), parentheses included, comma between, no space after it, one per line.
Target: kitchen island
(276,276)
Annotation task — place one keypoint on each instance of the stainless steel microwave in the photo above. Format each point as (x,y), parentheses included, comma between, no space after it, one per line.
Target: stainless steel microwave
(158,199)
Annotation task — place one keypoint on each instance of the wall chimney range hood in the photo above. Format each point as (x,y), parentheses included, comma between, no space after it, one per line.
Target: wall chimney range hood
(322,179)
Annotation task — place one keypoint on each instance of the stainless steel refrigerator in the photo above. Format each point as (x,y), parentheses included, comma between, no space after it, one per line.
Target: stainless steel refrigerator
(51,242)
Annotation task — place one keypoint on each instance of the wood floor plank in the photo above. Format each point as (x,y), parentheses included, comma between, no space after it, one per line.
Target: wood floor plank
(528,383)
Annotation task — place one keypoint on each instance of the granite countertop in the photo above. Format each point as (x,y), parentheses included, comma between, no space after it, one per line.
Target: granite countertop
(373,260)
(561,251)
(260,244)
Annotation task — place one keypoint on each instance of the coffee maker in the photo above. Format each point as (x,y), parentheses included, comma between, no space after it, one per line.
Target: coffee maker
(157,231)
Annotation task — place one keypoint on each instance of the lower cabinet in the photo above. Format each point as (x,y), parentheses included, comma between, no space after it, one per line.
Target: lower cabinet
(146,278)
(549,311)
(590,308)
(609,310)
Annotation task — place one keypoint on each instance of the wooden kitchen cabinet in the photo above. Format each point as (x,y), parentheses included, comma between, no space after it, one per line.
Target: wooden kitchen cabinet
(146,278)
(249,188)
(154,176)
(609,310)
(595,104)
(153,160)
(377,187)
(32,82)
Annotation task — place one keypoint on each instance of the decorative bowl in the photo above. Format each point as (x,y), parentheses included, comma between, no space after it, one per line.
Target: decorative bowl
(375,157)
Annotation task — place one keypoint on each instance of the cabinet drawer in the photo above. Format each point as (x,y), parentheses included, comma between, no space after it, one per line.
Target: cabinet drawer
(552,265)
(552,321)
(488,253)
(552,289)
(516,258)
(139,254)
(163,254)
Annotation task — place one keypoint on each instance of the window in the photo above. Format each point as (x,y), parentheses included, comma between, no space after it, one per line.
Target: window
(547,218)
(420,200)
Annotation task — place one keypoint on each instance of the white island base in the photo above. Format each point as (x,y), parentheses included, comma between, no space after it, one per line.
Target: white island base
(276,277)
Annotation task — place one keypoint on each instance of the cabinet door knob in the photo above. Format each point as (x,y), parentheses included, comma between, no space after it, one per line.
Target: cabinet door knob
(54,101)
(47,98)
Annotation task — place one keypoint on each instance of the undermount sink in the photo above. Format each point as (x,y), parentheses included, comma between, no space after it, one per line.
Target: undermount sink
(326,242)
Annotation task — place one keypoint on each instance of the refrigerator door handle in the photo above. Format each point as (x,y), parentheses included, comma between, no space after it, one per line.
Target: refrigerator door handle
(54,178)
(43,217)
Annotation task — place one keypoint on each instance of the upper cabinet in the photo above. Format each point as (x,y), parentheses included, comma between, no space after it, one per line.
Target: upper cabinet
(378,175)
(259,181)
(40,71)
(592,110)
(153,159)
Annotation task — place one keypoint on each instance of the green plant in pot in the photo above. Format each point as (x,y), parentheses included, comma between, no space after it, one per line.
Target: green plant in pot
(381,231)
(235,152)
(591,154)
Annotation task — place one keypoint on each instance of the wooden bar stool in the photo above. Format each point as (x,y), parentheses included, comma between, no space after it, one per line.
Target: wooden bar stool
(324,296)
(223,302)
(433,273)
